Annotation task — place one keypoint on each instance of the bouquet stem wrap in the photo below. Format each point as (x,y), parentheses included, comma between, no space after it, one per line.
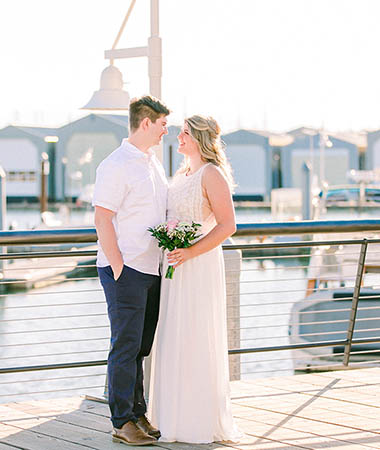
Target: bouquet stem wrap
(170,272)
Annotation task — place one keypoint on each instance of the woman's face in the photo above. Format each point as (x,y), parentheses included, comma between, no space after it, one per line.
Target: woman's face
(187,144)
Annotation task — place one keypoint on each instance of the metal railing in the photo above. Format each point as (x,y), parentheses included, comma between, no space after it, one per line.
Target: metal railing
(261,309)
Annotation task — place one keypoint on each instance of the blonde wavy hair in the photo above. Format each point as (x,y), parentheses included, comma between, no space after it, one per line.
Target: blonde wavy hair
(206,132)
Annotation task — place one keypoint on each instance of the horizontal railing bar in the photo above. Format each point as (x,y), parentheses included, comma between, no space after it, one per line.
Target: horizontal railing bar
(75,316)
(56,236)
(270,257)
(50,254)
(308,357)
(9,267)
(88,235)
(74,365)
(260,269)
(286,336)
(259,327)
(258,246)
(329,367)
(49,305)
(300,244)
(307,300)
(231,352)
(55,378)
(295,358)
(337,278)
(53,330)
(359,341)
(289,324)
(287,347)
(358,363)
(58,280)
(273,292)
(287,313)
(46,355)
(54,390)
(260,305)
(25,294)
(306,227)
(362,352)
(54,342)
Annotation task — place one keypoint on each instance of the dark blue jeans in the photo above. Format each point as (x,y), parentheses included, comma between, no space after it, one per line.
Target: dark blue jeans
(133,306)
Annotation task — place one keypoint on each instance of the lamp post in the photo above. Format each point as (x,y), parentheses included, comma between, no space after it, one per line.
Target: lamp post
(44,182)
(3,213)
(324,142)
(64,165)
(111,95)
(51,151)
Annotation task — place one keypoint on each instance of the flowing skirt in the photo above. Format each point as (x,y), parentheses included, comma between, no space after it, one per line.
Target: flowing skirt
(189,397)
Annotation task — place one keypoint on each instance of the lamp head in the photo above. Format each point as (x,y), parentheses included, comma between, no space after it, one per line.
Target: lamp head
(111,95)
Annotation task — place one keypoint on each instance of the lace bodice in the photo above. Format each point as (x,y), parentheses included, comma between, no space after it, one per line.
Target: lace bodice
(186,201)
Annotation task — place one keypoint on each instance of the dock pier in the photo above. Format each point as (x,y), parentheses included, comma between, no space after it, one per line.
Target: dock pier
(335,410)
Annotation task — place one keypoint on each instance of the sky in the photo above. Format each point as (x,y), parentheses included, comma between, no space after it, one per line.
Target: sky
(254,64)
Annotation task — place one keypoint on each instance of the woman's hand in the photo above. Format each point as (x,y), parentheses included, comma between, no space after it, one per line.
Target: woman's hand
(179,256)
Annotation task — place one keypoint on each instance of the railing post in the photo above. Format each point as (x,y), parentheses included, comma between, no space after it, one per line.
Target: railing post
(3,213)
(355,301)
(306,196)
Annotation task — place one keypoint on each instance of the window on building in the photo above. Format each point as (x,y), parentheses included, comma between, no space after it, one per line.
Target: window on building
(23,176)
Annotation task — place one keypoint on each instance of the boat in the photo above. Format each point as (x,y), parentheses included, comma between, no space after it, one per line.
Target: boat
(351,195)
(324,316)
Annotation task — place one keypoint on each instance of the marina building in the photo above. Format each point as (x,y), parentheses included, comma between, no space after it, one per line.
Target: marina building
(261,161)
(331,157)
(21,150)
(250,156)
(372,161)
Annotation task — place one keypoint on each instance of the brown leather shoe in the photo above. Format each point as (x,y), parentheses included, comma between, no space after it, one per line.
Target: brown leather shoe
(131,434)
(144,425)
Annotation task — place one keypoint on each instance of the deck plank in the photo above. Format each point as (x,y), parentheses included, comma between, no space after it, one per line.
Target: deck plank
(32,440)
(323,410)
(8,447)
(337,432)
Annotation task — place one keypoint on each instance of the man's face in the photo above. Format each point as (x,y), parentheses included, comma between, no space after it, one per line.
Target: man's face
(158,129)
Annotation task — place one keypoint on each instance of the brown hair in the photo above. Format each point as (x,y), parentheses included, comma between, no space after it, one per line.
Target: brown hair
(146,106)
(206,132)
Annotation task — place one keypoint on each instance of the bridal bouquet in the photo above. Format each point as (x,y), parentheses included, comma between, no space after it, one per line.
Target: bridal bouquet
(174,234)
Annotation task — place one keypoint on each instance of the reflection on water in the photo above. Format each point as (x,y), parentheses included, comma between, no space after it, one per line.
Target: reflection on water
(57,324)
(268,291)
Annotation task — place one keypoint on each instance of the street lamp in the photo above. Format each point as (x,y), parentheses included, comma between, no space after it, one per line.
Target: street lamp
(324,142)
(64,161)
(51,151)
(111,95)
(44,181)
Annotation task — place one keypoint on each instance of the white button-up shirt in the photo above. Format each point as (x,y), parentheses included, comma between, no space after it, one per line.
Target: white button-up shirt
(133,185)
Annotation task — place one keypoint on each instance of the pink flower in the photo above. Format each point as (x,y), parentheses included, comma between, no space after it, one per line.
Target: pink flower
(171,225)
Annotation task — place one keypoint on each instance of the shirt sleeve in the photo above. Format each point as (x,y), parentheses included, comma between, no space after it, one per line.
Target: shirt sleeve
(110,186)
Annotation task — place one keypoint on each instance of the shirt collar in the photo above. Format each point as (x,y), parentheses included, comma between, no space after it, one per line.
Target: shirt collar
(135,151)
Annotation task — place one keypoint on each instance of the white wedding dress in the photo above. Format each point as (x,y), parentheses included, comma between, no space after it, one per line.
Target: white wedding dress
(189,397)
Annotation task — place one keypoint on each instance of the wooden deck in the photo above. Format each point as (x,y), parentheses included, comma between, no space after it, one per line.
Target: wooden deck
(335,410)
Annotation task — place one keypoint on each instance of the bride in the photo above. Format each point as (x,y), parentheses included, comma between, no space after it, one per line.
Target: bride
(189,395)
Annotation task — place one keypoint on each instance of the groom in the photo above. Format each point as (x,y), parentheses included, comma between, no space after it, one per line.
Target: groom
(130,196)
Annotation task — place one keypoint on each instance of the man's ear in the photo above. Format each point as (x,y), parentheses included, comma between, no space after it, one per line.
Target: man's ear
(145,123)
